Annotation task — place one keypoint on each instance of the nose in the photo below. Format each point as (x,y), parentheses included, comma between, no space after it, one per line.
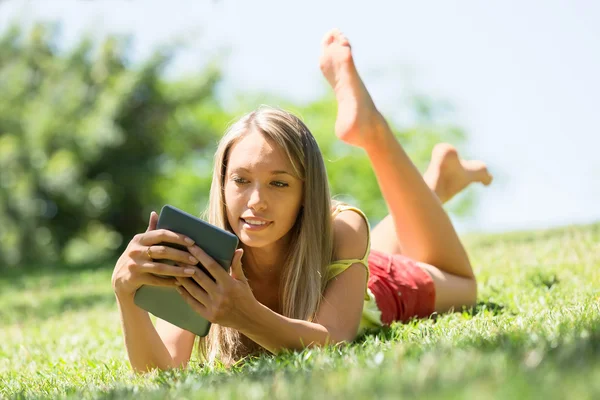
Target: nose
(257,199)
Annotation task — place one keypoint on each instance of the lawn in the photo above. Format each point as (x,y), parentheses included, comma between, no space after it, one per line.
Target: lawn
(534,334)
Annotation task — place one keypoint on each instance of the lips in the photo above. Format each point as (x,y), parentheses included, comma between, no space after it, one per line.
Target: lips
(255,223)
(253,218)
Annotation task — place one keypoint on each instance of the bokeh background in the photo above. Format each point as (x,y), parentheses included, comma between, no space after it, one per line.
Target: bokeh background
(110,109)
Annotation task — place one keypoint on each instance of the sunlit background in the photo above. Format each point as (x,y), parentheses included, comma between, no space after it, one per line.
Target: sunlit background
(522,76)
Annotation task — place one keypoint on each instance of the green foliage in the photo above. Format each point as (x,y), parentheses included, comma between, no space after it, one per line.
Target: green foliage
(89,145)
(82,140)
(535,333)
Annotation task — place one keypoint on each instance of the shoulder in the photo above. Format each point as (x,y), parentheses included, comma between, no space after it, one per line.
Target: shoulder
(350,235)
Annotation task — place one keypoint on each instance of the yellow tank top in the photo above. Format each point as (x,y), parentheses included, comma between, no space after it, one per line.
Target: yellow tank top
(371,316)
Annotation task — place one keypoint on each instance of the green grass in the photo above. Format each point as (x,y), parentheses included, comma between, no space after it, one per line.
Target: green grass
(535,333)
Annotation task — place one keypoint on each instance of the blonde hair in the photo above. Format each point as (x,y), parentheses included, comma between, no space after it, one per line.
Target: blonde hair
(311,245)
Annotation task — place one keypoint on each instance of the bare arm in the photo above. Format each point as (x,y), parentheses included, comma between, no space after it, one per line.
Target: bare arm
(165,346)
(178,342)
(339,314)
(337,320)
(145,348)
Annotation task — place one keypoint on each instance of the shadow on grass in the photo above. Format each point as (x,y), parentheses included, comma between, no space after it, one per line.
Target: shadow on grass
(565,357)
(19,312)
(40,279)
(542,278)
(488,307)
(18,277)
(480,309)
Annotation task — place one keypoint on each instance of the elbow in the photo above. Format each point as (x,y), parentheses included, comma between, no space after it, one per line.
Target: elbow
(471,293)
(340,336)
(139,370)
(180,362)
(144,369)
(343,338)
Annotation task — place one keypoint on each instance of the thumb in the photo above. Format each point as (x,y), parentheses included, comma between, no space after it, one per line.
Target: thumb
(152,222)
(237,272)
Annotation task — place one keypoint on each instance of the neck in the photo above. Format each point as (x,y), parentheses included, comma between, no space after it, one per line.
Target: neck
(264,265)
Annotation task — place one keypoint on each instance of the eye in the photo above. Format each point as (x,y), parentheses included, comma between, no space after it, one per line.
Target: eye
(239,180)
(279,184)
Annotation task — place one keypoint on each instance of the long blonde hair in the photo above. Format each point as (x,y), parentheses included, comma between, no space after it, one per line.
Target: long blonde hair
(311,245)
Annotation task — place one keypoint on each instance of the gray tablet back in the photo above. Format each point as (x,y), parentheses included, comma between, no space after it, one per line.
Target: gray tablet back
(166,303)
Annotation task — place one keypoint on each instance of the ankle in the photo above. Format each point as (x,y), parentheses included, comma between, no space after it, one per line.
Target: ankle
(432,180)
(441,194)
(379,135)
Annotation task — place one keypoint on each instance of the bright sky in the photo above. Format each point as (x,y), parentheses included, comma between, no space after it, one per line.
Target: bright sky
(524,76)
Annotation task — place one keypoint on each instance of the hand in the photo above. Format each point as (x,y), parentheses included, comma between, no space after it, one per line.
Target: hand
(137,267)
(227,300)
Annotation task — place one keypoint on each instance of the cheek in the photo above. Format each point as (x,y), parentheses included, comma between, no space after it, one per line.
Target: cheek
(293,208)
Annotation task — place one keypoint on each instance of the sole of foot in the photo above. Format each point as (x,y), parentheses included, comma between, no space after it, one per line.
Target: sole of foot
(452,174)
(357,115)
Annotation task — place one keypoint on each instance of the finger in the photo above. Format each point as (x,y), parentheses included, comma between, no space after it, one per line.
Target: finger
(201,278)
(195,304)
(165,236)
(196,291)
(237,271)
(213,267)
(153,280)
(205,281)
(164,252)
(157,268)
(152,222)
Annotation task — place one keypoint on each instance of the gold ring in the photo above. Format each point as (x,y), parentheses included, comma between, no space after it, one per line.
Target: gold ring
(148,252)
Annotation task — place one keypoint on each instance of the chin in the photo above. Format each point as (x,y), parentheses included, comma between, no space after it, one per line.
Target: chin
(254,242)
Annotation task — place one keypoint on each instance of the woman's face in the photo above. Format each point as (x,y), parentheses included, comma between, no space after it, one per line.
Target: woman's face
(262,193)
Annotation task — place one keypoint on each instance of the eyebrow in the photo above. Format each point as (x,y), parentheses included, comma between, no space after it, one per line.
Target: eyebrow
(275,172)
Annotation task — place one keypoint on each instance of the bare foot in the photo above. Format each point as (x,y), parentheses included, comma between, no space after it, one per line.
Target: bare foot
(356,110)
(447,174)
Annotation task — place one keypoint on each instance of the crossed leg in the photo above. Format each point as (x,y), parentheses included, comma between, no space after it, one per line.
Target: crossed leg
(419,225)
(446,176)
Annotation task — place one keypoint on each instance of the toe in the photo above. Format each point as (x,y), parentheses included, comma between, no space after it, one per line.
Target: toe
(488,178)
(480,171)
(344,41)
(330,37)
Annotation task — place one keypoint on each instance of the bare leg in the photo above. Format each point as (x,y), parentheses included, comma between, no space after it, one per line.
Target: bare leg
(423,229)
(446,176)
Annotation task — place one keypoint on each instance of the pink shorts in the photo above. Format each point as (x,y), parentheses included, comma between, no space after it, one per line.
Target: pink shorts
(401,288)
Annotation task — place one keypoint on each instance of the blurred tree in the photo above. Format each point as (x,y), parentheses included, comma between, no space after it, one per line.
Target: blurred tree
(82,140)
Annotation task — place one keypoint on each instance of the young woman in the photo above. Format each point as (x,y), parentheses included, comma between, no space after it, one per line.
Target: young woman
(312,272)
